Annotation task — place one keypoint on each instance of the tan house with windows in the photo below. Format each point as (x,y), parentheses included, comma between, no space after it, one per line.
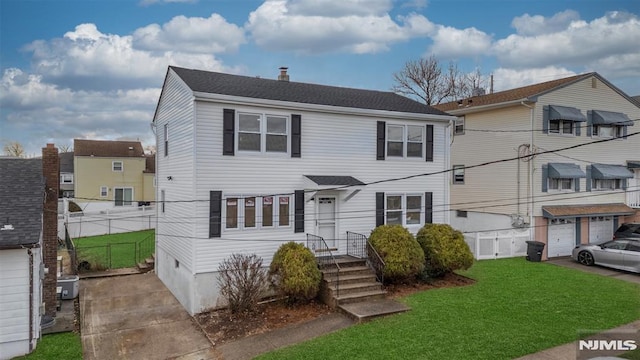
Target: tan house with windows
(112,174)
(570,169)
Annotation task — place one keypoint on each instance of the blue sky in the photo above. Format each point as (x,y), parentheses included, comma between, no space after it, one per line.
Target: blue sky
(93,68)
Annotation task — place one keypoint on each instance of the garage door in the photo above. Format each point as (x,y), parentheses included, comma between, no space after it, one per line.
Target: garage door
(561,237)
(600,229)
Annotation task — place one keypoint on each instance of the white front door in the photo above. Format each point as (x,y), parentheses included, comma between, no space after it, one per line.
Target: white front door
(561,237)
(327,219)
(600,229)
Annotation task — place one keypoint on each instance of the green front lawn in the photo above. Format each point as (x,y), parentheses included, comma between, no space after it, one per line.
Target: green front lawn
(56,346)
(117,250)
(515,308)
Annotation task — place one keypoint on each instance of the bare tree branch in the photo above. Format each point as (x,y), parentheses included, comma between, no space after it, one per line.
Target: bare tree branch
(14,148)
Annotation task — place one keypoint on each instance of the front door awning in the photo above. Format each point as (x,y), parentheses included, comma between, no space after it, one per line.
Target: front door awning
(557,112)
(334,181)
(601,117)
(572,211)
(565,171)
(606,171)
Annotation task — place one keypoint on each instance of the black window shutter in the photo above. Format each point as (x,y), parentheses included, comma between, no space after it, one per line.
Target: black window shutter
(379,209)
(429,153)
(380,140)
(545,119)
(228,135)
(428,207)
(215,213)
(299,211)
(296,136)
(545,176)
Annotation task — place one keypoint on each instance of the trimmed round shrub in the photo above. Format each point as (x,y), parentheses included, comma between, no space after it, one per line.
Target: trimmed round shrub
(403,257)
(444,249)
(294,272)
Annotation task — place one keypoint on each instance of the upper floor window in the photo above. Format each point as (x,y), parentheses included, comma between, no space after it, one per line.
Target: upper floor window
(561,184)
(66,178)
(562,120)
(117,166)
(405,140)
(606,184)
(458,174)
(262,133)
(608,124)
(459,126)
(608,131)
(166,139)
(563,127)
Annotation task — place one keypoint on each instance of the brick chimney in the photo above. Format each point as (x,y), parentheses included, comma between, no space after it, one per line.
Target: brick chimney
(51,174)
(283,74)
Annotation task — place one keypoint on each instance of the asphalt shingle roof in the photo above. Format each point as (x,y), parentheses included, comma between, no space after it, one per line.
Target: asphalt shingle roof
(510,95)
(21,201)
(107,148)
(66,162)
(258,88)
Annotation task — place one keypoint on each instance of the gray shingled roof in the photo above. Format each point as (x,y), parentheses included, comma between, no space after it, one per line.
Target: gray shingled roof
(258,88)
(21,198)
(66,162)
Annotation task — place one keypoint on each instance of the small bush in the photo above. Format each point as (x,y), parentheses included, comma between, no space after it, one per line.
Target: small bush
(444,249)
(403,257)
(294,272)
(242,281)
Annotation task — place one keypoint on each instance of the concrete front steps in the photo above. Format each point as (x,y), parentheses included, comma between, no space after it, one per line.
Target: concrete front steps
(148,264)
(355,290)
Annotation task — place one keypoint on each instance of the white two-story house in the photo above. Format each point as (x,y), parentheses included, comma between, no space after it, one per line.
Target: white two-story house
(570,171)
(245,164)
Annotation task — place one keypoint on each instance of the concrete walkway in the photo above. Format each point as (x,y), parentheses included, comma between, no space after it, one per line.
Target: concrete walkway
(137,317)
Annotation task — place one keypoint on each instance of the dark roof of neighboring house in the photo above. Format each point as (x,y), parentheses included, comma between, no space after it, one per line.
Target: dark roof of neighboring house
(66,162)
(258,88)
(107,148)
(513,94)
(150,166)
(21,201)
(636,98)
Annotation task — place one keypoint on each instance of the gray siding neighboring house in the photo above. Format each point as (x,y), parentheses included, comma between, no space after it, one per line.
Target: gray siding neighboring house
(66,174)
(245,164)
(21,225)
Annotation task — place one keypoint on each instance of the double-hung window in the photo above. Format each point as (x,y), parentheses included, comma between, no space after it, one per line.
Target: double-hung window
(166,139)
(66,178)
(263,133)
(403,209)
(563,127)
(458,174)
(117,166)
(459,126)
(607,184)
(561,184)
(405,141)
(608,131)
(251,212)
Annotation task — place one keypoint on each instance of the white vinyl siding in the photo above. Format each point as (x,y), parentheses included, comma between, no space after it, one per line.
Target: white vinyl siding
(14,298)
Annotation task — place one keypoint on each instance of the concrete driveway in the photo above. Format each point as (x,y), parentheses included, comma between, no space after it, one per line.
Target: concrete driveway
(137,317)
(618,274)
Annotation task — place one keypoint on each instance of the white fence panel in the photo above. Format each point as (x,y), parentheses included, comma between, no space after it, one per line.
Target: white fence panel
(103,223)
(498,244)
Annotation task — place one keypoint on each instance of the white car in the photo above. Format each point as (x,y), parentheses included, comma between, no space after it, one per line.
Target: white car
(622,254)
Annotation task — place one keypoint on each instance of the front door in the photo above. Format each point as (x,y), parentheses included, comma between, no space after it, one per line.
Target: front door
(327,220)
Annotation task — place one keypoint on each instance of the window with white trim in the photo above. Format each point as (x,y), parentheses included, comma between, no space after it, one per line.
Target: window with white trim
(608,131)
(606,184)
(117,166)
(458,174)
(123,196)
(563,127)
(66,178)
(561,184)
(166,139)
(103,191)
(263,133)
(459,126)
(405,141)
(162,201)
(403,209)
(252,212)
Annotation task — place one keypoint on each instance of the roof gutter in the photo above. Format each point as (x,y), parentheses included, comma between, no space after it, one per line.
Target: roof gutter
(474,109)
(238,100)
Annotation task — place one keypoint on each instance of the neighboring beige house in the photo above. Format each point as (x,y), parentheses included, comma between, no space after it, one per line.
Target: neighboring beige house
(562,198)
(111,174)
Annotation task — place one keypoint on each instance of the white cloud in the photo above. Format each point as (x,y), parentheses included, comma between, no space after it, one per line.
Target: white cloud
(303,27)
(580,43)
(191,35)
(505,79)
(528,25)
(89,59)
(452,42)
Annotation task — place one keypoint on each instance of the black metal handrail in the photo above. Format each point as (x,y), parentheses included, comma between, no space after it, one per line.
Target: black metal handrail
(356,245)
(375,261)
(324,256)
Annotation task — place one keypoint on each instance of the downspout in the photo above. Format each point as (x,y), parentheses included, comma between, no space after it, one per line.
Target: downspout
(30,253)
(447,184)
(530,171)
